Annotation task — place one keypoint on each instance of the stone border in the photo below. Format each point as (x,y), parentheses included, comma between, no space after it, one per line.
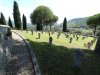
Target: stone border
(33,57)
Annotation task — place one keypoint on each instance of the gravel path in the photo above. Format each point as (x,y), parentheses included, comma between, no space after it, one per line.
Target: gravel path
(21,63)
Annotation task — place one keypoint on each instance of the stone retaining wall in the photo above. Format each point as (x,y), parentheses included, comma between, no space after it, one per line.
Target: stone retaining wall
(5,50)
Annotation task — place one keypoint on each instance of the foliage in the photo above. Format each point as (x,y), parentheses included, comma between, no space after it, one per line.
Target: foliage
(24,22)
(65,25)
(16,16)
(51,21)
(2,20)
(94,21)
(10,23)
(41,16)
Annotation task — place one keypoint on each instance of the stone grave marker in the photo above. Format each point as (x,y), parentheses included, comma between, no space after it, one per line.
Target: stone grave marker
(67,36)
(77,38)
(76,35)
(52,32)
(83,37)
(73,35)
(32,32)
(39,35)
(78,58)
(50,40)
(49,33)
(70,40)
(89,45)
(58,35)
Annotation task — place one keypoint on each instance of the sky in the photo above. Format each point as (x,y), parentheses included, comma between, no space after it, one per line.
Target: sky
(62,8)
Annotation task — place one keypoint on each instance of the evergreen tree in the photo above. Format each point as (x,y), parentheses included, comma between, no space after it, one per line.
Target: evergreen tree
(0,20)
(24,22)
(65,25)
(3,21)
(10,23)
(16,16)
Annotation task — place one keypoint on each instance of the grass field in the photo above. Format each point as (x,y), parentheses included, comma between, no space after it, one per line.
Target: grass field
(57,59)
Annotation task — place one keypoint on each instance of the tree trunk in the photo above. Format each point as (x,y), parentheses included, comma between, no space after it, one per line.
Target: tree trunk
(94,29)
(97,47)
(50,27)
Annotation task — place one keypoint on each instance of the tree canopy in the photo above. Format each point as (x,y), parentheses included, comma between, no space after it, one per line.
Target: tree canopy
(94,21)
(42,15)
(2,19)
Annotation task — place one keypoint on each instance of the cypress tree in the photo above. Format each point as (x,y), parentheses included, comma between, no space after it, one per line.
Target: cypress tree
(10,23)
(65,25)
(24,22)
(3,21)
(16,16)
(0,20)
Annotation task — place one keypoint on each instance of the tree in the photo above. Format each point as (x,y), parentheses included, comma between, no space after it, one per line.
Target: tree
(40,16)
(3,21)
(53,20)
(0,20)
(16,16)
(94,21)
(24,22)
(10,23)
(65,25)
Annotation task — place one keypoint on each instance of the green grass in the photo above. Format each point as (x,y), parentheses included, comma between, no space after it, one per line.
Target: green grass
(62,41)
(57,59)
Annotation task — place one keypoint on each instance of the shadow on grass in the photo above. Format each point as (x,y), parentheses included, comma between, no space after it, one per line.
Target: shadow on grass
(58,60)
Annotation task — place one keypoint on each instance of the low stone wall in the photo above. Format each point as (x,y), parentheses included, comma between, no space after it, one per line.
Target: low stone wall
(5,50)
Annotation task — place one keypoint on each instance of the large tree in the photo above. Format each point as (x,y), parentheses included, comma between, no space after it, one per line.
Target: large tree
(16,16)
(3,21)
(40,16)
(65,25)
(94,21)
(10,23)
(24,22)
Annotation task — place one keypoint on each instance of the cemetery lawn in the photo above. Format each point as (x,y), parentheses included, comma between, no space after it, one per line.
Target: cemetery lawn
(57,59)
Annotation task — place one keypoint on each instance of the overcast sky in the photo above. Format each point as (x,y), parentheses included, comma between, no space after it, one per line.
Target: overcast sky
(62,8)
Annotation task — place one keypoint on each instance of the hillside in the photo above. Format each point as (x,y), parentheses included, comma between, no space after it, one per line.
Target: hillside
(76,22)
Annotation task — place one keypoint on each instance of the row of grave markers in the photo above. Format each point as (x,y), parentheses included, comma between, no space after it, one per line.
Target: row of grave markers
(70,36)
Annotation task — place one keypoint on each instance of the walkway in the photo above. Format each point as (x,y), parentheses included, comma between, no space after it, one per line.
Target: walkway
(21,63)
